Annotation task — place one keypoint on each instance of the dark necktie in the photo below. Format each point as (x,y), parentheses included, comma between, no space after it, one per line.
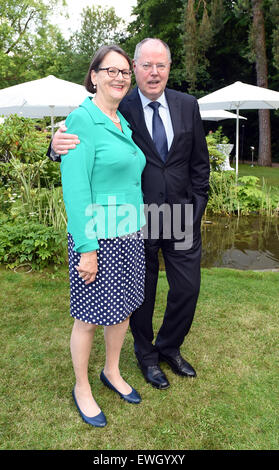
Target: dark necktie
(158,131)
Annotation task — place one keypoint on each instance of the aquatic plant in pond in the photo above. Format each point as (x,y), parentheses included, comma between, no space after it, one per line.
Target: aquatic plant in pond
(226,197)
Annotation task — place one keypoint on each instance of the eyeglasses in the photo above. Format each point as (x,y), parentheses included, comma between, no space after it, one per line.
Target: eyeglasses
(113,72)
(160,67)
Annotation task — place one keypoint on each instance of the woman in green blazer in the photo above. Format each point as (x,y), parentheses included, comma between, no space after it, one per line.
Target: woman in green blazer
(101,180)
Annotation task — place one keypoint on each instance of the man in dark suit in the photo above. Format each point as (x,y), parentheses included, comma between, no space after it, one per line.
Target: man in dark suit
(167,127)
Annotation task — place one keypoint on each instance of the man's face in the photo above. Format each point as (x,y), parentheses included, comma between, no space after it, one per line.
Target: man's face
(152,69)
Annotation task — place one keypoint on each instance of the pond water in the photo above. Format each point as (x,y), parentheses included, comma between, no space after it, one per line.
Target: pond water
(250,242)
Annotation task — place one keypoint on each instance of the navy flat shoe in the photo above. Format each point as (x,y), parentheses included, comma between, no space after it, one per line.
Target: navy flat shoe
(98,421)
(132,397)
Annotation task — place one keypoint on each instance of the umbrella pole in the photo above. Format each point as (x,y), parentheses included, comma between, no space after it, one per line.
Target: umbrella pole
(52,119)
(237,142)
(52,126)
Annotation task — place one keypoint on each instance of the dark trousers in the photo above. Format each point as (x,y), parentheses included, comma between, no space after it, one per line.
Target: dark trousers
(183,275)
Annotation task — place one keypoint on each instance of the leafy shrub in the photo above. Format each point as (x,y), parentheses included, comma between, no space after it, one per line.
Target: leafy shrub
(20,138)
(216,157)
(32,213)
(31,243)
(254,198)
(228,197)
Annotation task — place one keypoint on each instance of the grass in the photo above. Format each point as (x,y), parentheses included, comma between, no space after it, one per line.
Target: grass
(269,174)
(233,344)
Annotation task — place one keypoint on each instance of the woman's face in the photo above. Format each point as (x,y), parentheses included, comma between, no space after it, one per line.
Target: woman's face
(108,88)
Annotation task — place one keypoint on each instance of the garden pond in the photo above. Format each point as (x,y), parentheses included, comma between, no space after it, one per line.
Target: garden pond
(247,242)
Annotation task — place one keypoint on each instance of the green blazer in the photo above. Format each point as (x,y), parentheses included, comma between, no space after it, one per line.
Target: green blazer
(101,178)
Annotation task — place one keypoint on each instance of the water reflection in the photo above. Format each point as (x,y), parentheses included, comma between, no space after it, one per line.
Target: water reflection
(240,243)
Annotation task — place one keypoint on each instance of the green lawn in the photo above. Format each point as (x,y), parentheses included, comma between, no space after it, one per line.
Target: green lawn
(233,344)
(269,174)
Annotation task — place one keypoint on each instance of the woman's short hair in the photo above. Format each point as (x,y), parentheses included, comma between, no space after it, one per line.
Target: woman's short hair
(98,59)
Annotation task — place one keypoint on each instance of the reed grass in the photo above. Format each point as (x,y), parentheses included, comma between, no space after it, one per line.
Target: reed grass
(45,204)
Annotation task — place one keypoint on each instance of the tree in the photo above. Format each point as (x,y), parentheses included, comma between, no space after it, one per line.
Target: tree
(22,25)
(274,13)
(258,47)
(262,26)
(202,21)
(211,28)
(99,26)
(191,44)
(160,19)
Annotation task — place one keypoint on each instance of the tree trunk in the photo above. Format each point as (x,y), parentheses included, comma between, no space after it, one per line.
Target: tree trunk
(259,46)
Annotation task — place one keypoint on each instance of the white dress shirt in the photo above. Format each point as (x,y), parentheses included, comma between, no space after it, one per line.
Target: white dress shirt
(164,114)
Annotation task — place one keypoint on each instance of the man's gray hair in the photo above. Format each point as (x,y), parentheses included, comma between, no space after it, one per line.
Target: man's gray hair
(140,44)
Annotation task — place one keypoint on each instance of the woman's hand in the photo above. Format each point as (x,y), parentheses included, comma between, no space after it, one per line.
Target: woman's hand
(88,266)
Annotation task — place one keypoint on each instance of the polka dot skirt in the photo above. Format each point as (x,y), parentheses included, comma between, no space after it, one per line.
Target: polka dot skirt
(118,288)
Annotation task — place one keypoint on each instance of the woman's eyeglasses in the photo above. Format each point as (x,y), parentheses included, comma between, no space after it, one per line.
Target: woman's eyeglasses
(113,72)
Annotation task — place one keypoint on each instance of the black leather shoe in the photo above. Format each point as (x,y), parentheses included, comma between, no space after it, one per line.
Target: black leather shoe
(155,376)
(179,365)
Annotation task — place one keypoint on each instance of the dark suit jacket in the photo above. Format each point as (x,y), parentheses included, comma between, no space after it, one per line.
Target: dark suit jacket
(184,177)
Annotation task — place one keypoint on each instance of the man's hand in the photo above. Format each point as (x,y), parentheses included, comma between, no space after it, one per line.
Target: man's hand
(62,142)
(88,266)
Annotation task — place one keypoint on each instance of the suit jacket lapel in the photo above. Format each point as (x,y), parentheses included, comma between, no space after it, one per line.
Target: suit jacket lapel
(138,124)
(174,108)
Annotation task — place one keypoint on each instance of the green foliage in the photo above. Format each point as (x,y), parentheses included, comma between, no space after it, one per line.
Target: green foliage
(216,157)
(159,19)
(46,53)
(28,179)
(23,159)
(202,21)
(190,44)
(254,198)
(32,243)
(274,17)
(99,26)
(25,35)
(219,136)
(20,138)
(33,218)
(25,198)
(227,197)
(222,193)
